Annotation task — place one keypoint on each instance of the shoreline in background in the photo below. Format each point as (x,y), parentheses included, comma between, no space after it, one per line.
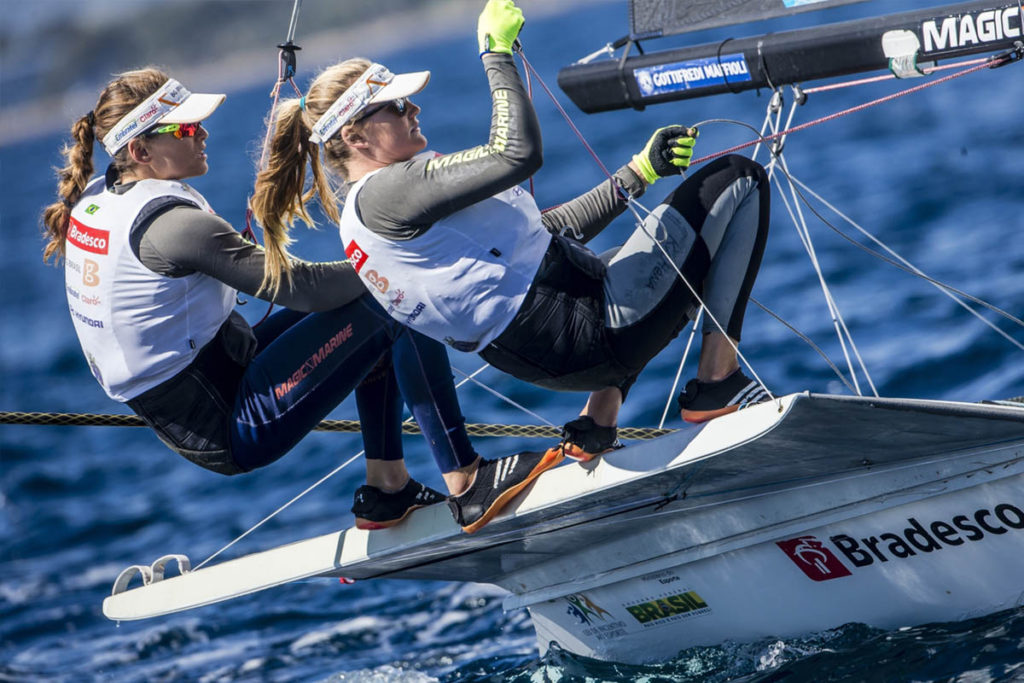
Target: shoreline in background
(437,20)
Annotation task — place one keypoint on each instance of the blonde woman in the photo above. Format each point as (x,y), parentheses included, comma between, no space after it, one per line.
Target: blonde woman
(452,246)
(151,278)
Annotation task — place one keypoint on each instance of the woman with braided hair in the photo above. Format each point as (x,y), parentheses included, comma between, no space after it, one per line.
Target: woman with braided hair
(452,246)
(151,278)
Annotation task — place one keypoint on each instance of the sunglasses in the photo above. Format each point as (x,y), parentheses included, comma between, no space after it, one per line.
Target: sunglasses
(180,130)
(398,106)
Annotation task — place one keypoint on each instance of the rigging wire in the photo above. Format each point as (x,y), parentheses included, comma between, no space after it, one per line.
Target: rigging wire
(891,76)
(682,362)
(633,204)
(989,63)
(801,227)
(950,291)
(838,322)
(286,68)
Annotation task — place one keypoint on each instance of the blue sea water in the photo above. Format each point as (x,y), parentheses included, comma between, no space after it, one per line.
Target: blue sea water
(937,175)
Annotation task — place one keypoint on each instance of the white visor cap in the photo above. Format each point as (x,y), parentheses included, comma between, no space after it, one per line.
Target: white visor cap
(171,103)
(402,85)
(376,84)
(196,108)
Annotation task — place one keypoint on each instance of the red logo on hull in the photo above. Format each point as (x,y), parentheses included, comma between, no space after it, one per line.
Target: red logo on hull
(813,558)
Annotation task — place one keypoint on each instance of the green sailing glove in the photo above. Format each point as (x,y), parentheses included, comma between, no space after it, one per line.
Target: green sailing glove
(667,153)
(498,26)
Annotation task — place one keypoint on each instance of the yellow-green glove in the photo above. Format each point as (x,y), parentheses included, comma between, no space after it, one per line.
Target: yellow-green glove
(667,153)
(498,26)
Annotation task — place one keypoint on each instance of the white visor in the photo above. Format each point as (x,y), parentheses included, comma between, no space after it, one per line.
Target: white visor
(172,103)
(376,84)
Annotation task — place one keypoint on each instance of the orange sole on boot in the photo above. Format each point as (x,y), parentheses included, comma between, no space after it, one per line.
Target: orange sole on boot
(369,525)
(576,453)
(551,458)
(698,416)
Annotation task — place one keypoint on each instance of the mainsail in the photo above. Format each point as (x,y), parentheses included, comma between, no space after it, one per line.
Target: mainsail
(904,43)
(655,18)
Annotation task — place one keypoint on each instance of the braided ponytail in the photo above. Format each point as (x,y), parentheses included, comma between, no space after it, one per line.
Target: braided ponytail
(71,182)
(121,95)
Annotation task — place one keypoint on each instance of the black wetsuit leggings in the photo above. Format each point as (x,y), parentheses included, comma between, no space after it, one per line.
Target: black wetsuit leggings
(564,336)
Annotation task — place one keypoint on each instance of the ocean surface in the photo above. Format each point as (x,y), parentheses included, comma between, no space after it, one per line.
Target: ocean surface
(937,175)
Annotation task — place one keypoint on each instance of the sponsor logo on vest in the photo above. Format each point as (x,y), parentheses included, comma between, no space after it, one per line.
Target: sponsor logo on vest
(73,265)
(679,606)
(947,33)
(311,363)
(397,301)
(86,320)
(356,255)
(379,282)
(85,299)
(415,313)
(816,561)
(92,208)
(90,273)
(88,239)
(901,544)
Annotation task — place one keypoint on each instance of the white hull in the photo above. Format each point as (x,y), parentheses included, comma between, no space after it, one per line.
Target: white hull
(762,591)
(601,553)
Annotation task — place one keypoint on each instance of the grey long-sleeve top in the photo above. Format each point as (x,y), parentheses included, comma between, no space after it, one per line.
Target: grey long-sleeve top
(184,239)
(405,199)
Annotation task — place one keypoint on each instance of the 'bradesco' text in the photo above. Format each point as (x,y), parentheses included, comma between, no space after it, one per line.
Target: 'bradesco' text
(917,537)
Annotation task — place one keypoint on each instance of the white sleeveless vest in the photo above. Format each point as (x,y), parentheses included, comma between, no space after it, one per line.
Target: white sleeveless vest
(463,280)
(137,328)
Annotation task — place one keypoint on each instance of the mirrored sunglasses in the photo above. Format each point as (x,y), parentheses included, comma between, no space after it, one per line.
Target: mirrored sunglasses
(398,106)
(179,130)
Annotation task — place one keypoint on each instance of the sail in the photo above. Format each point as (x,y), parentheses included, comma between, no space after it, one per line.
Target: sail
(655,18)
(910,39)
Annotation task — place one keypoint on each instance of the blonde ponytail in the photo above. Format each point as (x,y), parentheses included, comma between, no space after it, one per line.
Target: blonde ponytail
(280,194)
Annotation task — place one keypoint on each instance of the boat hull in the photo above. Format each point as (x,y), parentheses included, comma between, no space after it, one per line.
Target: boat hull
(953,555)
(785,518)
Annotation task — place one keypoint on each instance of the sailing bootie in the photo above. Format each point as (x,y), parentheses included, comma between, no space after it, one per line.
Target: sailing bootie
(703,401)
(496,483)
(377,509)
(583,439)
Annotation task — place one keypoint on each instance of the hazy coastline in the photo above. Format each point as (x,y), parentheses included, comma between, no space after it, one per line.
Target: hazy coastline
(415,24)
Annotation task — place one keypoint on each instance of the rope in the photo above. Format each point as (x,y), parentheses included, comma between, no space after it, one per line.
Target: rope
(352,426)
(889,77)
